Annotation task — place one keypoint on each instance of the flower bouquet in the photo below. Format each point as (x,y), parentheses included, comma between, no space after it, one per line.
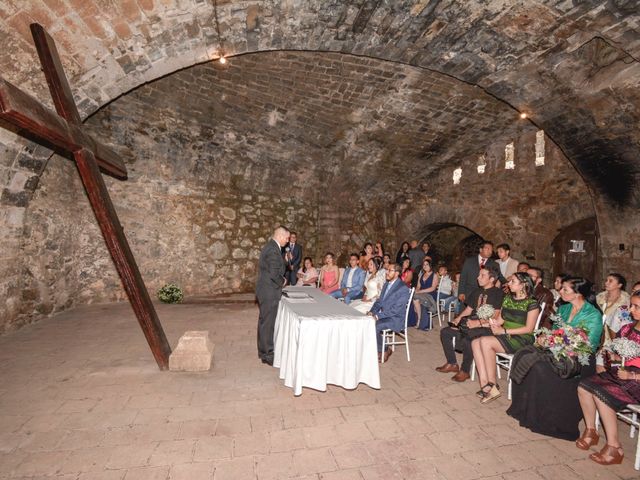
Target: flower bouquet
(485,312)
(625,348)
(566,342)
(170,293)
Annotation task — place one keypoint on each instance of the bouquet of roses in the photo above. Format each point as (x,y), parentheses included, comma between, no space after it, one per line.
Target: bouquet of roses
(625,348)
(566,341)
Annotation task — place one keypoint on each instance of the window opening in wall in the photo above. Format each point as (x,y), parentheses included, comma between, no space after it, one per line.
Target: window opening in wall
(540,148)
(457,175)
(482,164)
(509,160)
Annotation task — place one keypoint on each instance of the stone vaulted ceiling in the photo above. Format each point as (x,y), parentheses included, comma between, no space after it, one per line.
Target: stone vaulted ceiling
(572,65)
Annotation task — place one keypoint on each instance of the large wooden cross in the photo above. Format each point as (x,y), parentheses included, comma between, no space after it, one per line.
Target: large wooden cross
(63,132)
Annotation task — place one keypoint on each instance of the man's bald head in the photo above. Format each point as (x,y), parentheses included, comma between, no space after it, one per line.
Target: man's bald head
(281,235)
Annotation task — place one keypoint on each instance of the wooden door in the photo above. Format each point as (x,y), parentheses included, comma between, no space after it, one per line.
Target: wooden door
(575,250)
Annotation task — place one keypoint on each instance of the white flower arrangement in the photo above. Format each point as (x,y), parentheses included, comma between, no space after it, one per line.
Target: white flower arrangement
(485,312)
(627,349)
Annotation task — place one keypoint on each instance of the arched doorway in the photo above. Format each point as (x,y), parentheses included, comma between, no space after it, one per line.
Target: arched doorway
(575,250)
(452,243)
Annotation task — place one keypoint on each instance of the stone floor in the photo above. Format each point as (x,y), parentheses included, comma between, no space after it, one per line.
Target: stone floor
(81,398)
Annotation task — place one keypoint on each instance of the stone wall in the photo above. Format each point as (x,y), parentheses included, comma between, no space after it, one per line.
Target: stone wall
(525,207)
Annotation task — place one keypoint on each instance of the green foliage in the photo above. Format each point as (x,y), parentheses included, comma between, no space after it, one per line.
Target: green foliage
(170,293)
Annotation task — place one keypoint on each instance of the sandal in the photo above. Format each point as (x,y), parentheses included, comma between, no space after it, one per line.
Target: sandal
(609,455)
(491,395)
(483,393)
(588,438)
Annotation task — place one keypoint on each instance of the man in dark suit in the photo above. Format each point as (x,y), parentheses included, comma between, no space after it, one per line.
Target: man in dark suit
(390,307)
(293,258)
(472,266)
(271,270)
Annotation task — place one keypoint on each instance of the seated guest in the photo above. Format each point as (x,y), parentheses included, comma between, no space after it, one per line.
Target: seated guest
(368,255)
(542,401)
(407,273)
(542,295)
(389,309)
(382,272)
(372,287)
(446,288)
(378,251)
(512,330)
(608,393)
(523,267)
(488,294)
(613,297)
(557,286)
(508,265)
(403,253)
(352,281)
(329,274)
(426,292)
(308,275)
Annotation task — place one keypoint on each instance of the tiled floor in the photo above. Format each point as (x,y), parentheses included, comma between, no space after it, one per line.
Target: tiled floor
(81,398)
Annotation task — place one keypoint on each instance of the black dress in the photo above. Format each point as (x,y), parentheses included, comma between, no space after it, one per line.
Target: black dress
(547,404)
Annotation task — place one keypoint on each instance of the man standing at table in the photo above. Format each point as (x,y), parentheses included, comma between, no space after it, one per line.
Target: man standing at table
(271,270)
(390,307)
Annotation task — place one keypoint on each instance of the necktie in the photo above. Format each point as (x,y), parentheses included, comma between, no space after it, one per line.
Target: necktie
(482,262)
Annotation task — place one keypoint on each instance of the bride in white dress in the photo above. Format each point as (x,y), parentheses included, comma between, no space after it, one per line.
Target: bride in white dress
(373,287)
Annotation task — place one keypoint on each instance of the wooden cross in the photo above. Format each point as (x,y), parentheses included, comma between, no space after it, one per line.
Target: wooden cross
(63,132)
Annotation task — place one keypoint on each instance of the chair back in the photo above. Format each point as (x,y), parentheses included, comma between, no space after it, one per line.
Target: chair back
(409,305)
(542,305)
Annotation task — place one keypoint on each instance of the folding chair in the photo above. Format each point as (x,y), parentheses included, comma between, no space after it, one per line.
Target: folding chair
(389,336)
(628,415)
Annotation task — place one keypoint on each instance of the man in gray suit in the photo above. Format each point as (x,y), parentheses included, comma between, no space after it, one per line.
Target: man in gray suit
(271,269)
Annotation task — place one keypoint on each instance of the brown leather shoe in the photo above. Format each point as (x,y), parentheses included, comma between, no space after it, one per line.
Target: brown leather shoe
(608,455)
(588,438)
(461,376)
(448,368)
(387,354)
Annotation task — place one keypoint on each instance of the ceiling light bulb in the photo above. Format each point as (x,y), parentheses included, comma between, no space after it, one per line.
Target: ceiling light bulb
(523,115)
(222,60)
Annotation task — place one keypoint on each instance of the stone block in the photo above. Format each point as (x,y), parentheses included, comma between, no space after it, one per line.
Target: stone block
(194,353)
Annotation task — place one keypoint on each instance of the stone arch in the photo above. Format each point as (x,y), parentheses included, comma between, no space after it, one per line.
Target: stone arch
(452,243)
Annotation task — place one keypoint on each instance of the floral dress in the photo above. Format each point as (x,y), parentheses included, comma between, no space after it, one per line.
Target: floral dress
(614,392)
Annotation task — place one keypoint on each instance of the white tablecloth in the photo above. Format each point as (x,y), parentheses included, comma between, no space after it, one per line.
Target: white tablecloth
(321,340)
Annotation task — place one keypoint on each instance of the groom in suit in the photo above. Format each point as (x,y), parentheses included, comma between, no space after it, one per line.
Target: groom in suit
(390,307)
(271,269)
(293,258)
(472,266)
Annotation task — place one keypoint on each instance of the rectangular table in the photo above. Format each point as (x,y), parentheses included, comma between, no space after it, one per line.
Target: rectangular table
(322,341)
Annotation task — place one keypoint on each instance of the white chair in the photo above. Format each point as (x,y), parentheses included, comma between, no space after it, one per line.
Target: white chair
(504,360)
(389,336)
(440,306)
(629,415)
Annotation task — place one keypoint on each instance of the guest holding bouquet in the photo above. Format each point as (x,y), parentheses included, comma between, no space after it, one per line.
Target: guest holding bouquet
(546,376)
(612,390)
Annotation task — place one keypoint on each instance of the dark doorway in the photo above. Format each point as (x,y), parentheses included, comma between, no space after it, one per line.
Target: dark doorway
(575,250)
(452,243)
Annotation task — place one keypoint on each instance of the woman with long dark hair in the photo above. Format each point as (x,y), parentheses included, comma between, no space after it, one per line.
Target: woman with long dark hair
(403,253)
(512,330)
(608,393)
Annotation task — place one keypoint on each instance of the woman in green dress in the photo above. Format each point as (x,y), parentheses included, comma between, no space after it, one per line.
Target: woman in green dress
(512,330)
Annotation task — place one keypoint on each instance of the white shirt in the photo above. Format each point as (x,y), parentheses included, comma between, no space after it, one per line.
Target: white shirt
(503,266)
(350,277)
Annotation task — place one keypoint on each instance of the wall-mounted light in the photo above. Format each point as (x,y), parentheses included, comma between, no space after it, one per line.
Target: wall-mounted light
(523,115)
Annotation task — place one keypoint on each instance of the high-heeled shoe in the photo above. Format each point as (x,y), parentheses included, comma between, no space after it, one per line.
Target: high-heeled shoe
(491,395)
(483,391)
(609,455)
(588,438)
